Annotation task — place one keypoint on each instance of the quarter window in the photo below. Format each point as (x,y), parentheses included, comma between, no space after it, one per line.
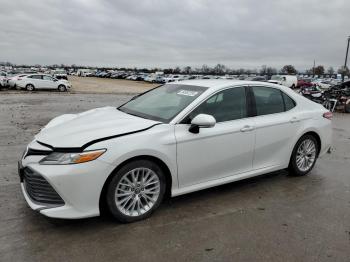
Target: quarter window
(227,105)
(288,102)
(268,100)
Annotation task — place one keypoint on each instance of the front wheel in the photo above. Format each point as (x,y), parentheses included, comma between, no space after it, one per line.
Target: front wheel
(135,191)
(304,155)
(62,88)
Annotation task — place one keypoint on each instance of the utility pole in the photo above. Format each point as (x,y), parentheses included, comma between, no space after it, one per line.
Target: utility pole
(346,60)
(313,69)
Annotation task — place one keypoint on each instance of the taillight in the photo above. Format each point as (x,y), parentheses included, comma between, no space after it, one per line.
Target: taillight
(328,115)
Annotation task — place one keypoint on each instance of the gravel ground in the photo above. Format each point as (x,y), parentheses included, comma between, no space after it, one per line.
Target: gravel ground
(273,217)
(107,85)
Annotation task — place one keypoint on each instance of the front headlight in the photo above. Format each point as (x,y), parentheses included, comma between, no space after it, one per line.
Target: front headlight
(57,158)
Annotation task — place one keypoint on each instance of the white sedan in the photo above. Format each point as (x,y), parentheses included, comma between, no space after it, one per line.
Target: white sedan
(171,140)
(33,82)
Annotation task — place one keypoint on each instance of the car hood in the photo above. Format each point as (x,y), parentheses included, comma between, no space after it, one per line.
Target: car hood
(80,130)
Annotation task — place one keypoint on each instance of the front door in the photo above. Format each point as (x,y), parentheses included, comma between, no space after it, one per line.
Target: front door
(48,82)
(220,151)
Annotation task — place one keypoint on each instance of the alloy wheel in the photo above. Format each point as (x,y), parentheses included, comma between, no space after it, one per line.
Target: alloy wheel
(306,155)
(137,191)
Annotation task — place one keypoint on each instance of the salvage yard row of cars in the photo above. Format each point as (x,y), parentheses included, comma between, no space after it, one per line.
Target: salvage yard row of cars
(58,79)
(292,81)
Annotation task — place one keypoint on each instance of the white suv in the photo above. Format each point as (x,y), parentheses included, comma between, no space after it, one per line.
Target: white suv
(42,81)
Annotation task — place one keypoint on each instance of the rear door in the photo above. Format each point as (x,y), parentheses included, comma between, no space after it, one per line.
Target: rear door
(276,124)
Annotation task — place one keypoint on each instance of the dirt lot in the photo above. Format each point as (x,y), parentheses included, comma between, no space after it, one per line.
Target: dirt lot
(107,85)
(274,217)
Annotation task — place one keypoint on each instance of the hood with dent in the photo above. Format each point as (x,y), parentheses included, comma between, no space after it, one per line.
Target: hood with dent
(76,130)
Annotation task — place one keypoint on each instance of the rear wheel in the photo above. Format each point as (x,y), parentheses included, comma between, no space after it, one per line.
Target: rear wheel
(135,191)
(304,155)
(30,87)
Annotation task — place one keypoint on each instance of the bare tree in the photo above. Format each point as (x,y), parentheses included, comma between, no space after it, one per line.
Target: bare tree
(219,69)
(288,69)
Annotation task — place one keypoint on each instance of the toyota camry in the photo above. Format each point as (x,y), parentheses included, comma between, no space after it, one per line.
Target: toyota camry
(172,140)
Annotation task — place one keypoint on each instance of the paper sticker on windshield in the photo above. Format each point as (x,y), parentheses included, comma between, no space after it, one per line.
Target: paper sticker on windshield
(187,93)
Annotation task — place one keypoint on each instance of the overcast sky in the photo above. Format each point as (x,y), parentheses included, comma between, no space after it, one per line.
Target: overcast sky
(162,33)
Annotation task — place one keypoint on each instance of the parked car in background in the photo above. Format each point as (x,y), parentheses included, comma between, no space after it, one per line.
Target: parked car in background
(284,80)
(304,82)
(12,81)
(41,81)
(172,78)
(59,74)
(175,139)
(3,79)
(84,72)
(256,78)
(322,84)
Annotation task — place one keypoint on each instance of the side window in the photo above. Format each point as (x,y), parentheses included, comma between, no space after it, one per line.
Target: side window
(36,77)
(268,100)
(227,105)
(47,78)
(288,102)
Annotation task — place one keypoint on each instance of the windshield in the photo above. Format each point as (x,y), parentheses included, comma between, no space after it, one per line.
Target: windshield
(276,78)
(163,103)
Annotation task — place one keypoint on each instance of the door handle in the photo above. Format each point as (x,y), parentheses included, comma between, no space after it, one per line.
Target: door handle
(294,120)
(247,128)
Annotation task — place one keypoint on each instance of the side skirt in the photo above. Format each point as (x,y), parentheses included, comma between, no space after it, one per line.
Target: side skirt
(224,180)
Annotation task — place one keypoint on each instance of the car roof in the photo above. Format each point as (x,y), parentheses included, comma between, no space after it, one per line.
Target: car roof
(221,83)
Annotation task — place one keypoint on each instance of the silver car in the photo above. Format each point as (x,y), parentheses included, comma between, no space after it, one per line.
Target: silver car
(41,81)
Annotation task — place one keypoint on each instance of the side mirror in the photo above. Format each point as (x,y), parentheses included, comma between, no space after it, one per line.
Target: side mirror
(201,121)
(55,79)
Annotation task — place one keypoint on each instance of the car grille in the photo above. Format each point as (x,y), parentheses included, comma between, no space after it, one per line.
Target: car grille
(39,189)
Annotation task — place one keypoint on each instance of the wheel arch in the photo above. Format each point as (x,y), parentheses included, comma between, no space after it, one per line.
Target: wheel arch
(312,133)
(29,83)
(158,161)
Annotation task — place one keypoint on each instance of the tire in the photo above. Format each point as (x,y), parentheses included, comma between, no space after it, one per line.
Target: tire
(30,87)
(303,161)
(62,88)
(133,203)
